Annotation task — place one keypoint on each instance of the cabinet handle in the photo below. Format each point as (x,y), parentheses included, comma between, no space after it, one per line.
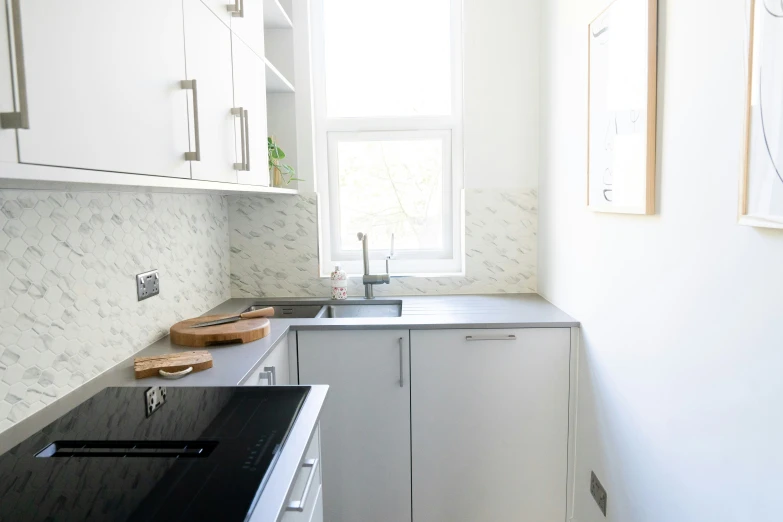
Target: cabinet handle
(238,9)
(20,119)
(491,338)
(299,505)
(268,374)
(402,370)
(242,113)
(247,140)
(193,86)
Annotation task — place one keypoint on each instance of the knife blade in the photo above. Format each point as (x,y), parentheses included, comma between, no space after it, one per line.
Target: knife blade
(263,312)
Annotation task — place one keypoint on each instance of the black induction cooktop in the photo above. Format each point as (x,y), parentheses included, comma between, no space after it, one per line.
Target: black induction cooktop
(204,455)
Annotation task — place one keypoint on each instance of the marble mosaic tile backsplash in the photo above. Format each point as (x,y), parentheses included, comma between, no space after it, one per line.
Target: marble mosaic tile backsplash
(274,248)
(68,307)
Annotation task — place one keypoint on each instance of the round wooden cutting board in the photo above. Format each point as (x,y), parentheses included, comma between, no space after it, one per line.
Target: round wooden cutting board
(243,331)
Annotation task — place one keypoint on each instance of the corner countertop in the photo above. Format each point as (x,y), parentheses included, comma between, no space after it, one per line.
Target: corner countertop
(234,363)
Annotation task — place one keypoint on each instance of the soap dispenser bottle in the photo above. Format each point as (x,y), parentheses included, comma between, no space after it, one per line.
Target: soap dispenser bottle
(339,283)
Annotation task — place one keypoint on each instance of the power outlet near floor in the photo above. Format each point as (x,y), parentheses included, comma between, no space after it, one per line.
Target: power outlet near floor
(147,284)
(598,492)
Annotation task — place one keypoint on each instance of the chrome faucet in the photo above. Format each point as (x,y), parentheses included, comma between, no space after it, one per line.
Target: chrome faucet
(369,279)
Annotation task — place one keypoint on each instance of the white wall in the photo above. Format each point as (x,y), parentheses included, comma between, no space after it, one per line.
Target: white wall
(680,392)
(501,51)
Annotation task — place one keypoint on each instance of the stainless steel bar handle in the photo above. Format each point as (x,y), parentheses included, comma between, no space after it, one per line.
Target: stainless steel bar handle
(247,140)
(193,86)
(491,338)
(299,505)
(242,113)
(238,9)
(271,370)
(402,364)
(20,119)
(267,376)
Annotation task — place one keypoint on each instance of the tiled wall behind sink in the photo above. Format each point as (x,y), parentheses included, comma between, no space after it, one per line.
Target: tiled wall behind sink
(274,248)
(68,307)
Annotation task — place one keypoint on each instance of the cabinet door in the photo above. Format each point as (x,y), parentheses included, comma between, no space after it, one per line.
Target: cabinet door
(250,95)
(489,424)
(220,8)
(7,136)
(365,423)
(103,86)
(247,21)
(208,55)
(273,370)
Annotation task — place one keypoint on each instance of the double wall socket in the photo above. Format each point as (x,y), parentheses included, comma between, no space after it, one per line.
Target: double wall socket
(147,284)
(154,398)
(598,492)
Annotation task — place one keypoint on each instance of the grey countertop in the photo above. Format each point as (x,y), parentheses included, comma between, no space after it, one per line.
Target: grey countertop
(232,364)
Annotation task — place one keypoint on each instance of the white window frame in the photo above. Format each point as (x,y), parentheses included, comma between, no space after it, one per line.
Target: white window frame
(450,261)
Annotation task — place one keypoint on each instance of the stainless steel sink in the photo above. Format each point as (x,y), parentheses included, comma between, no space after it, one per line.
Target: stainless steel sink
(288,311)
(341,311)
(332,309)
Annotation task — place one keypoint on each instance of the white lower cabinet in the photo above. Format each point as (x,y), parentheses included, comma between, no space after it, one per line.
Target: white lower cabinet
(305,502)
(365,423)
(489,424)
(274,369)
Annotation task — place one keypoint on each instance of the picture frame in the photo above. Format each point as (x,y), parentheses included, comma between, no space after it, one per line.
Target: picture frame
(622,108)
(761,181)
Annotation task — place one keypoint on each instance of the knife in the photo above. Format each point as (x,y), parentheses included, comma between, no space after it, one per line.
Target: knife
(263,312)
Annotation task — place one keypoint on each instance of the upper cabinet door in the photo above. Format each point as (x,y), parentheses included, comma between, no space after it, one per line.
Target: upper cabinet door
(221,9)
(7,135)
(104,86)
(247,21)
(250,100)
(208,54)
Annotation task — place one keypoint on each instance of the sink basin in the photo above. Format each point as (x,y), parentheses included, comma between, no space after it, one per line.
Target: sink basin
(342,311)
(322,310)
(286,311)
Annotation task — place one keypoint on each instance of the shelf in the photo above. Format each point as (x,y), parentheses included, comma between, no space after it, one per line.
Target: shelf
(275,81)
(22,176)
(275,16)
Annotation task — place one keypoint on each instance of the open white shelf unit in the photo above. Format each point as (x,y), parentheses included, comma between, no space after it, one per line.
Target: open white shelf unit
(275,81)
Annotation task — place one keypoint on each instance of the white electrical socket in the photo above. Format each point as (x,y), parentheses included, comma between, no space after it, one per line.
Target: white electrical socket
(154,398)
(147,284)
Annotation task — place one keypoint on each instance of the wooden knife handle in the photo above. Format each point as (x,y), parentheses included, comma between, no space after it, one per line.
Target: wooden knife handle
(264,312)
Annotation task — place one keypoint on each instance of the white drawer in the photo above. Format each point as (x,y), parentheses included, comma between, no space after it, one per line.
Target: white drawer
(274,369)
(305,495)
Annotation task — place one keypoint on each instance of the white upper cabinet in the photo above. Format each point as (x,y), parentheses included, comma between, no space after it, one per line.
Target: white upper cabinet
(221,9)
(104,86)
(250,118)
(208,54)
(247,21)
(7,107)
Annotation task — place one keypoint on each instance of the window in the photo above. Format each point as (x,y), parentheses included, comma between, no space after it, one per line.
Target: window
(388,112)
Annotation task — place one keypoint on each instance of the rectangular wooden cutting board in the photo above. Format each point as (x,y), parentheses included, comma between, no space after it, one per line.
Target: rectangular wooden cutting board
(175,362)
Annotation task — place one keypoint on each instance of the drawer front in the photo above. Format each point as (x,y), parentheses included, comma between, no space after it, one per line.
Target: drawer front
(273,370)
(305,495)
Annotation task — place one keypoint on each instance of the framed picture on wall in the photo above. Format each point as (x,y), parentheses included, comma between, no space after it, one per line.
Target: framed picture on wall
(761,189)
(622,94)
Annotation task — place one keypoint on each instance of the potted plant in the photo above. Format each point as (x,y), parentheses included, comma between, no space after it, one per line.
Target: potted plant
(281,173)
